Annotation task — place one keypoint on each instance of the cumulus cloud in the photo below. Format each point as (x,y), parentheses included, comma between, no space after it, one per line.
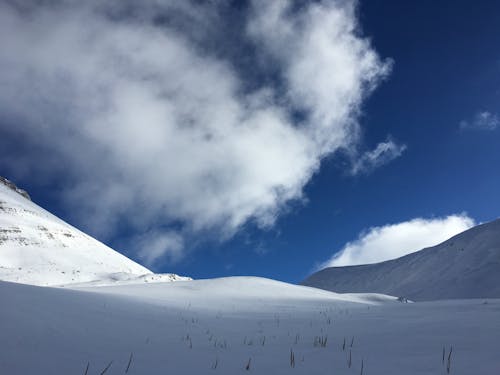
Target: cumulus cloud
(328,68)
(382,154)
(144,124)
(483,120)
(395,240)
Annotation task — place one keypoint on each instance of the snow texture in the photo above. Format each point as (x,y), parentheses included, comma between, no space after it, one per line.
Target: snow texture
(223,326)
(465,266)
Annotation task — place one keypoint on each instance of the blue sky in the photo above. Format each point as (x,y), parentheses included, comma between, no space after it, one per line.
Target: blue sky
(435,106)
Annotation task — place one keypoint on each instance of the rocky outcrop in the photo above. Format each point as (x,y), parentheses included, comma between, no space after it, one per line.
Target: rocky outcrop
(13,186)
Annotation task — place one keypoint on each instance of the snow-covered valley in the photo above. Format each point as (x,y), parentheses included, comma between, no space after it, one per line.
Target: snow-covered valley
(249,187)
(225,326)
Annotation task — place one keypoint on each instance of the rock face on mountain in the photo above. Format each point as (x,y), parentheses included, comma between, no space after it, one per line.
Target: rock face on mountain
(465,266)
(38,248)
(13,187)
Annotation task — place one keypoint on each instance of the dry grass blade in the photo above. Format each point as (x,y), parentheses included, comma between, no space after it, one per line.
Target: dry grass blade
(106,368)
(448,366)
(129,362)
(247,367)
(215,364)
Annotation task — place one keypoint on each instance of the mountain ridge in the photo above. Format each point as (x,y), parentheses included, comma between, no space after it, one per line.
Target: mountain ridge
(14,187)
(465,266)
(38,248)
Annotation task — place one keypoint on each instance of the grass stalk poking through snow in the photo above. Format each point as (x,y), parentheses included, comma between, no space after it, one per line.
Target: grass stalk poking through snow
(247,367)
(106,368)
(215,364)
(448,366)
(320,341)
(129,362)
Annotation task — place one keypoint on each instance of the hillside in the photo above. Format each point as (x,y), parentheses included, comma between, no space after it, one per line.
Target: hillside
(38,248)
(239,325)
(465,266)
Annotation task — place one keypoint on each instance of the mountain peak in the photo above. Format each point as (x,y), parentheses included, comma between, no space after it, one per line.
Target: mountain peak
(38,248)
(13,187)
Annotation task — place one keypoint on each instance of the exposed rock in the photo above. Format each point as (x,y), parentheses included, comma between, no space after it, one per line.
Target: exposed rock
(13,186)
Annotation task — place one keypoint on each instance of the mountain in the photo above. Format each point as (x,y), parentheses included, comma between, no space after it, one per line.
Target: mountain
(465,266)
(38,248)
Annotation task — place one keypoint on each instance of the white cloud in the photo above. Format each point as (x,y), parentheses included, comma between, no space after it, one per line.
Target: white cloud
(159,244)
(327,67)
(143,125)
(395,240)
(483,120)
(382,154)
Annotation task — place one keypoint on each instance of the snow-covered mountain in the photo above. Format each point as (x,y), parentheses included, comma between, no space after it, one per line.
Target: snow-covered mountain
(465,266)
(38,248)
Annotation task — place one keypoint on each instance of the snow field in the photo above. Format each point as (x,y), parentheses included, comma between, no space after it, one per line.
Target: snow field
(225,326)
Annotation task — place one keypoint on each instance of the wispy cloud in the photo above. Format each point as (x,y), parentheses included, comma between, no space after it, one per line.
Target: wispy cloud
(392,241)
(156,245)
(382,154)
(145,122)
(483,120)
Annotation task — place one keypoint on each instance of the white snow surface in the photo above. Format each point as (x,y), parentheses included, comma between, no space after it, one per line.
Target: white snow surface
(38,248)
(220,326)
(465,266)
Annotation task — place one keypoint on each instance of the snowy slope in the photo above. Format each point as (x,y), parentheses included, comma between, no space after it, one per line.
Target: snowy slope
(214,294)
(465,266)
(222,326)
(38,248)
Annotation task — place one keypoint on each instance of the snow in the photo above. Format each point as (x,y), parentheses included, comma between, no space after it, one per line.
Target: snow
(109,315)
(121,278)
(229,290)
(189,327)
(38,248)
(465,266)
